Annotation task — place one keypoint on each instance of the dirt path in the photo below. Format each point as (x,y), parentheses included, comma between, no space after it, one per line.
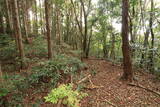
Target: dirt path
(116,93)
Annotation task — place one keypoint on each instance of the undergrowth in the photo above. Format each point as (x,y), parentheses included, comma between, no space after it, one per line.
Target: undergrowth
(45,73)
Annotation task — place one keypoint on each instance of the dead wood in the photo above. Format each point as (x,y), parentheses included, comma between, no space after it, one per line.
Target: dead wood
(84,79)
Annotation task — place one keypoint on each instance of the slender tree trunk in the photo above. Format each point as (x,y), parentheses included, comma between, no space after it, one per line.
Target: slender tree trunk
(112,55)
(151,56)
(28,20)
(35,27)
(105,50)
(25,21)
(8,17)
(1,23)
(1,79)
(145,44)
(48,28)
(41,17)
(54,22)
(17,32)
(89,42)
(85,36)
(128,73)
(58,26)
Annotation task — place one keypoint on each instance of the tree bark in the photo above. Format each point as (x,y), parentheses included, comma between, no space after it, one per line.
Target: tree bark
(48,29)
(128,73)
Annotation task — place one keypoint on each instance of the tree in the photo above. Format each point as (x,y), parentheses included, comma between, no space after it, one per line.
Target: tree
(8,17)
(128,73)
(48,28)
(152,36)
(25,12)
(17,32)
(2,29)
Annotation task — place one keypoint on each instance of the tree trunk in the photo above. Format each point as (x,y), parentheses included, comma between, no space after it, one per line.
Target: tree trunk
(17,32)
(85,36)
(58,23)
(112,54)
(128,73)
(89,42)
(1,79)
(1,23)
(48,28)
(29,26)
(25,12)
(145,44)
(35,27)
(151,63)
(41,17)
(8,17)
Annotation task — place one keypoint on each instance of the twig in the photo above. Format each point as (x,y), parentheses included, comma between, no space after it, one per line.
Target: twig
(110,103)
(140,86)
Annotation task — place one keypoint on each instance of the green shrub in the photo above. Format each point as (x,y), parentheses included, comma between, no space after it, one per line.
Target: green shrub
(65,93)
(14,85)
(52,70)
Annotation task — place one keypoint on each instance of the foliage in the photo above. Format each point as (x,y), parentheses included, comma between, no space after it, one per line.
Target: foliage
(3,92)
(39,47)
(50,70)
(66,94)
(14,84)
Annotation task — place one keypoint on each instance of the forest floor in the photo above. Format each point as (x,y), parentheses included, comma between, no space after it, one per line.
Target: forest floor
(110,91)
(106,89)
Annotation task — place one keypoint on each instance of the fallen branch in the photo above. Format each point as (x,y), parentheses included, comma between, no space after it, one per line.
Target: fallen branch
(93,86)
(140,86)
(84,79)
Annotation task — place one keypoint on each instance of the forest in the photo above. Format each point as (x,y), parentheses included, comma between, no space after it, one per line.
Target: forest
(79,53)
